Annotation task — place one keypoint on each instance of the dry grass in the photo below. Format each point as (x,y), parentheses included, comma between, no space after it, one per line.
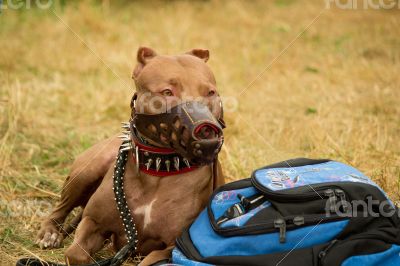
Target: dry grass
(333,93)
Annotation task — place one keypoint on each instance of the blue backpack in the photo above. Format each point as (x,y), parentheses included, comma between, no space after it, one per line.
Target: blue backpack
(298,212)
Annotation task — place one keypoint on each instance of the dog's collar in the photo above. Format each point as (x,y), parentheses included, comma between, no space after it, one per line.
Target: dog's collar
(153,160)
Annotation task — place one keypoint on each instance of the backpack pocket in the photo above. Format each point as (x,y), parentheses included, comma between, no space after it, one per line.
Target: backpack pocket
(238,210)
(369,249)
(328,184)
(201,241)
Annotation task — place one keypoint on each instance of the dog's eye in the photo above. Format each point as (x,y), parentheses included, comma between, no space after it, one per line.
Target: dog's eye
(167,92)
(211,93)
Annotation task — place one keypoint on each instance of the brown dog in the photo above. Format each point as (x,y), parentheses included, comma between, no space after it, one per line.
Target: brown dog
(162,200)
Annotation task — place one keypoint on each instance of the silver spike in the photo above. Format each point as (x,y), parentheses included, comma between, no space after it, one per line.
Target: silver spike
(186,162)
(126,144)
(123,136)
(158,163)
(126,148)
(127,127)
(125,141)
(176,163)
(124,123)
(167,164)
(148,164)
(137,159)
(126,132)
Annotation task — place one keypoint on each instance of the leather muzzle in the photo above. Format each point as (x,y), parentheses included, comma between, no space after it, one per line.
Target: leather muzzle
(189,128)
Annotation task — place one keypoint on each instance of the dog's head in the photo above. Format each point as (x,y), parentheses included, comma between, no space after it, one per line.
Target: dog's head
(177,104)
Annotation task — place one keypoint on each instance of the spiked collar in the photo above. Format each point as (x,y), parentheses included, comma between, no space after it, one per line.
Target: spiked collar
(153,160)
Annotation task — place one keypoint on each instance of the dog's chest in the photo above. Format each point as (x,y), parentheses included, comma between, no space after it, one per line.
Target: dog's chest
(145,212)
(161,209)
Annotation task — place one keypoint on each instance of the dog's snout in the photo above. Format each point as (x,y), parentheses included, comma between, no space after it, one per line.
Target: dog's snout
(206,131)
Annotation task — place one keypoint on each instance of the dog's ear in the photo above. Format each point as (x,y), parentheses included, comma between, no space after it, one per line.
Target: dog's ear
(144,54)
(200,53)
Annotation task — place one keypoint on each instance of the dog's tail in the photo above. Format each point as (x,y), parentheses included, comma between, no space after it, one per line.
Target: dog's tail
(70,227)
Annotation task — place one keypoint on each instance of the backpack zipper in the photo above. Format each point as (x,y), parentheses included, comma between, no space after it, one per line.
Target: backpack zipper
(322,254)
(306,195)
(282,223)
(330,194)
(342,196)
(327,191)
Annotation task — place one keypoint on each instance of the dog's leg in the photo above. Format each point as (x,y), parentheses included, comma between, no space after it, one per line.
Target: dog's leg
(88,240)
(156,256)
(50,235)
(86,174)
(70,228)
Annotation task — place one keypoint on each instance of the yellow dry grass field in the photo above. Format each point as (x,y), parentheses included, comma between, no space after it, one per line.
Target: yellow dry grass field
(300,80)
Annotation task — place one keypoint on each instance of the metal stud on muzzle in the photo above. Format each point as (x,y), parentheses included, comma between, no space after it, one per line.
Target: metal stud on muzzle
(189,128)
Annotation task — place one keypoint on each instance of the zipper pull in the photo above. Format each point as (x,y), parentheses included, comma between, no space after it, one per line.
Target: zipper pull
(234,211)
(298,220)
(322,253)
(244,201)
(342,197)
(249,203)
(332,199)
(281,224)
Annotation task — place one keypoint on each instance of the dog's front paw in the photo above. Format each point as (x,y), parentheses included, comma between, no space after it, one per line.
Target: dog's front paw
(49,237)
